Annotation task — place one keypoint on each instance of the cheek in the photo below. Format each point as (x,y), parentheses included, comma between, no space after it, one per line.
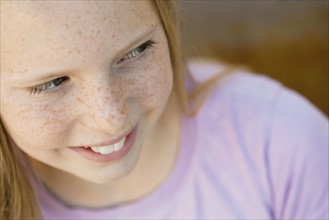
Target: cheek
(155,83)
(35,125)
(160,85)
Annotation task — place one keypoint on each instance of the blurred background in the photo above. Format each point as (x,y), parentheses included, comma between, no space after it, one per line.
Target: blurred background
(286,40)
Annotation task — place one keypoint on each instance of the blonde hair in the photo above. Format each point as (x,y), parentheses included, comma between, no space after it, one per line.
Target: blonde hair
(17,199)
(169,16)
(191,102)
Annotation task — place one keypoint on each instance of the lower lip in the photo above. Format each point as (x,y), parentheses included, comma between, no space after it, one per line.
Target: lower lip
(106,158)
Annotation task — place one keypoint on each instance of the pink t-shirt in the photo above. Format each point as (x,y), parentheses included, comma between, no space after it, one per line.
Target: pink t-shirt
(256,150)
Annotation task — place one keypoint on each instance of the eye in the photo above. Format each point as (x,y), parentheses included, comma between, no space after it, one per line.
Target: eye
(48,87)
(136,53)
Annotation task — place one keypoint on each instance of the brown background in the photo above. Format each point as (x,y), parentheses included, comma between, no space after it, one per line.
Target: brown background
(286,40)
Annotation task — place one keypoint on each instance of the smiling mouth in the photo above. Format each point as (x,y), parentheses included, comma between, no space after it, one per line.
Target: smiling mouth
(109,151)
(109,148)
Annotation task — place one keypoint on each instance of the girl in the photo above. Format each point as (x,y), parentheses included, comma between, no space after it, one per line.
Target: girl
(97,123)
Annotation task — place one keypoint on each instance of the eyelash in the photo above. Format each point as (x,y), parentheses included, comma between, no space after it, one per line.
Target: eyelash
(48,87)
(133,56)
(137,53)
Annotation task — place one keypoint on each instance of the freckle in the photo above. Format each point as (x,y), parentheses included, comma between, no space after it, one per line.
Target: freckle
(46,106)
(80,100)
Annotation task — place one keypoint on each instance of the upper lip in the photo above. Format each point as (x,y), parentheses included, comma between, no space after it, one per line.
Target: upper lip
(111,141)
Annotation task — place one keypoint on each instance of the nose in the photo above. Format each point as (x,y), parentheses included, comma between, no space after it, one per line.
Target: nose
(105,107)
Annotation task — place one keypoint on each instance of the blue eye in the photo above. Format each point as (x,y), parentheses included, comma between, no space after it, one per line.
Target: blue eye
(48,86)
(136,53)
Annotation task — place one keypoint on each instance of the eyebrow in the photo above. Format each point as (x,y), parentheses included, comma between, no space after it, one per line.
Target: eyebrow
(44,76)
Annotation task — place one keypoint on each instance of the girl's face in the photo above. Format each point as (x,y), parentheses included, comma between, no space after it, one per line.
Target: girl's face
(76,74)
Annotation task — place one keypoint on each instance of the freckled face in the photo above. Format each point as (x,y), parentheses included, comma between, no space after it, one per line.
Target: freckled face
(79,73)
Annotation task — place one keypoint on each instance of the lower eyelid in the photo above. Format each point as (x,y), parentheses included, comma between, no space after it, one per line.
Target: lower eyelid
(53,90)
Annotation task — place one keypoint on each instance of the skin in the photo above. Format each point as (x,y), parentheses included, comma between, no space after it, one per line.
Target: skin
(101,100)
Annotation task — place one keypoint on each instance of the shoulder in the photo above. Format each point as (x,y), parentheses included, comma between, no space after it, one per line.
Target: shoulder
(254,96)
(266,137)
(241,98)
(261,111)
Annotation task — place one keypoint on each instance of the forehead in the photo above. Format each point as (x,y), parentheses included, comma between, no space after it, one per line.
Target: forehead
(70,14)
(57,12)
(37,30)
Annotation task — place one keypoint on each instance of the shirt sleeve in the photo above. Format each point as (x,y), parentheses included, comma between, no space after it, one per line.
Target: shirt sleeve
(297,159)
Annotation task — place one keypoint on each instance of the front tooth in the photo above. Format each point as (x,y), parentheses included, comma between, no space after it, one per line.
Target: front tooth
(119,145)
(111,148)
(106,149)
(95,149)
